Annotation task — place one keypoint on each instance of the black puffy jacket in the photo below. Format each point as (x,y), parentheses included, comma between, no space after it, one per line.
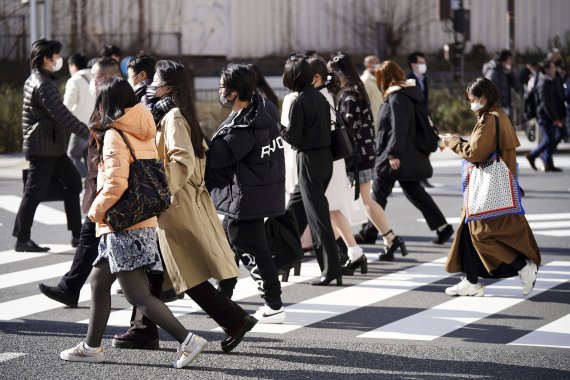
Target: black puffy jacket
(396,137)
(245,165)
(47,124)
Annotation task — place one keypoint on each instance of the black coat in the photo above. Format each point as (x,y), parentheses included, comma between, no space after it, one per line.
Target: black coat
(245,164)
(47,124)
(550,100)
(425,90)
(396,137)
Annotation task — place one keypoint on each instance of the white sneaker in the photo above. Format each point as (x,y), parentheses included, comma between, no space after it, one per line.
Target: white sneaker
(185,353)
(80,354)
(465,288)
(265,314)
(528,276)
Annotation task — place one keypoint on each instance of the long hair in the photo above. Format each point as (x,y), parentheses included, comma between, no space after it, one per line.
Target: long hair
(342,64)
(389,74)
(174,75)
(113,97)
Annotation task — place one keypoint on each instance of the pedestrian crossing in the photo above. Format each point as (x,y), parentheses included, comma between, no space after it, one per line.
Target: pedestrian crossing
(444,316)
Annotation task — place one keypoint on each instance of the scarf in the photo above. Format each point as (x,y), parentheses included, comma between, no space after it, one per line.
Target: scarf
(161,108)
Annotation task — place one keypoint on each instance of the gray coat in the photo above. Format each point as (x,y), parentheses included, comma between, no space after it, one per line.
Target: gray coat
(47,124)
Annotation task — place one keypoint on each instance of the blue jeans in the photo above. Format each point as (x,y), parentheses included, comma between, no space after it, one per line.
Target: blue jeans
(547,145)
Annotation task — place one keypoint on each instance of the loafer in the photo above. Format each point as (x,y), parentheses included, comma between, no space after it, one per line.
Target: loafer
(443,236)
(29,246)
(131,340)
(67,298)
(237,333)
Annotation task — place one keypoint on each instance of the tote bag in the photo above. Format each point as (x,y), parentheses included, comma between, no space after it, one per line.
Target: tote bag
(342,142)
(147,195)
(489,188)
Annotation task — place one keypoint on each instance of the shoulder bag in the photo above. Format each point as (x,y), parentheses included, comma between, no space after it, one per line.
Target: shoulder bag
(489,188)
(147,195)
(342,143)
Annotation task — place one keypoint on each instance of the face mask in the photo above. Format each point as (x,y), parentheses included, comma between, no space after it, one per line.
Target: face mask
(422,68)
(476,106)
(131,82)
(58,64)
(225,102)
(508,67)
(92,88)
(151,92)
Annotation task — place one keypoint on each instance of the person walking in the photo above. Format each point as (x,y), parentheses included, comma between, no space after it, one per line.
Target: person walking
(125,129)
(246,177)
(309,132)
(47,125)
(192,239)
(397,158)
(500,72)
(140,72)
(354,106)
(368,77)
(81,103)
(551,113)
(502,246)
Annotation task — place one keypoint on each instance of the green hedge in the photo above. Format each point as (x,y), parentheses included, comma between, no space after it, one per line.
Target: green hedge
(449,110)
(10,119)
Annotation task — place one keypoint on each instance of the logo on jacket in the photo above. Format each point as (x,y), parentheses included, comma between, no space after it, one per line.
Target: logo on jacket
(270,148)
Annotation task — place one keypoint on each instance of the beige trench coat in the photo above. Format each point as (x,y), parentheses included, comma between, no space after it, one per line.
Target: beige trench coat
(502,239)
(192,240)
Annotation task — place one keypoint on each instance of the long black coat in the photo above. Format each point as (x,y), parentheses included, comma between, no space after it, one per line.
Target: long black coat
(396,136)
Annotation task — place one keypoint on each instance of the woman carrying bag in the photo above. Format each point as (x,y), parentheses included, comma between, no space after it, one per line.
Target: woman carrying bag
(500,246)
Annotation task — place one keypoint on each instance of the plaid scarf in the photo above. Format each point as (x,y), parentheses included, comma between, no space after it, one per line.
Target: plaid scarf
(161,108)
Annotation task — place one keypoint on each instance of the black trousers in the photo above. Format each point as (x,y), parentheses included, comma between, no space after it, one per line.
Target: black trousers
(414,191)
(85,254)
(248,240)
(40,172)
(310,206)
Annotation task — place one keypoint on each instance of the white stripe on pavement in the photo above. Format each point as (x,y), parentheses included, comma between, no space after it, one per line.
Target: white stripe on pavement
(442,319)
(11,256)
(556,233)
(554,334)
(529,217)
(354,297)
(32,275)
(44,214)
(5,356)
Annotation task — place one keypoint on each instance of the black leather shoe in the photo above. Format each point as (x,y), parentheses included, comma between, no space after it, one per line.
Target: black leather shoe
(132,340)
(351,266)
(324,281)
(443,236)
(531,161)
(236,334)
(69,299)
(29,246)
(551,168)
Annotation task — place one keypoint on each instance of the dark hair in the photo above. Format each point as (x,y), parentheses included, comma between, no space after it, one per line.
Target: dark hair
(297,73)
(174,75)
(142,62)
(109,67)
(241,78)
(77,59)
(545,65)
(413,58)
(343,64)
(318,67)
(41,49)
(504,55)
(483,87)
(113,97)
(262,87)
(109,51)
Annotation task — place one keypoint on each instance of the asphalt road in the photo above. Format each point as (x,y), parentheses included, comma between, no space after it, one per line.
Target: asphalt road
(393,323)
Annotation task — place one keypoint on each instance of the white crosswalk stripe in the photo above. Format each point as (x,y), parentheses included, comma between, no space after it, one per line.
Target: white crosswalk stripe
(428,324)
(44,214)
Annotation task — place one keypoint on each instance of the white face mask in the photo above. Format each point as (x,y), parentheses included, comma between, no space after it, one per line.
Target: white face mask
(131,82)
(476,106)
(92,88)
(508,67)
(58,64)
(422,68)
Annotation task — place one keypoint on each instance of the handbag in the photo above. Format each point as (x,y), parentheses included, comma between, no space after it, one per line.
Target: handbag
(147,194)
(489,188)
(342,143)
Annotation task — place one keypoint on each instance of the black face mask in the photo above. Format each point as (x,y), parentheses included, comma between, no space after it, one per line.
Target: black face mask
(225,102)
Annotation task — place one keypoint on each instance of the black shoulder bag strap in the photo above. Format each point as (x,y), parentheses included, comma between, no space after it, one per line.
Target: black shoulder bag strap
(126,142)
(498,132)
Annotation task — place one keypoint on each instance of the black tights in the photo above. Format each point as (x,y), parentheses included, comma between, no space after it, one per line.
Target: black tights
(136,290)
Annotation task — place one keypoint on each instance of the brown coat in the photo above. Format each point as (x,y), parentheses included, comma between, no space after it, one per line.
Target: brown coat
(138,127)
(192,240)
(501,239)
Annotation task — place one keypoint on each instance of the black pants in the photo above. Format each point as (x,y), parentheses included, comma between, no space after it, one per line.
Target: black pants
(40,173)
(85,254)
(310,206)
(414,191)
(247,239)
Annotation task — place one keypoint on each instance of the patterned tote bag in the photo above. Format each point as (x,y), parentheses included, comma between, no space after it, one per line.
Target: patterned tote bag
(489,187)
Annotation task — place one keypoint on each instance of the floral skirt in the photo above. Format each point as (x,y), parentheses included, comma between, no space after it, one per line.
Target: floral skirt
(130,249)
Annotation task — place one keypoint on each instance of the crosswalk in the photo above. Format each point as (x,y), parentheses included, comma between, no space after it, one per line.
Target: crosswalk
(442,317)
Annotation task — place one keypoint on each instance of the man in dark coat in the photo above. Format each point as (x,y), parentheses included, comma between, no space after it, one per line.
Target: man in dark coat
(47,125)
(500,72)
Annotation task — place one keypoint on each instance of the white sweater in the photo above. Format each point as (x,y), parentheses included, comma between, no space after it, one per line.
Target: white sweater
(77,97)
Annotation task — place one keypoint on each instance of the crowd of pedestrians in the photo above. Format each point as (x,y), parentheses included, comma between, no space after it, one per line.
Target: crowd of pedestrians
(258,164)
